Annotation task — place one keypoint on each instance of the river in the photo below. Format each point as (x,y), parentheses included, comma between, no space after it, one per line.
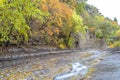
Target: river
(80,65)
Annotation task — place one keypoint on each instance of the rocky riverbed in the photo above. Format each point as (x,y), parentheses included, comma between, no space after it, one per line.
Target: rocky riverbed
(78,65)
(108,68)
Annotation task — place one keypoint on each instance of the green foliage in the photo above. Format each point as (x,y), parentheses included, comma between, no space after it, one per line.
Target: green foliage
(80,7)
(115,19)
(98,33)
(61,44)
(71,41)
(117,34)
(101,27)
(77,27)
(115,44)
(58,20)
(14,19)
(77,23)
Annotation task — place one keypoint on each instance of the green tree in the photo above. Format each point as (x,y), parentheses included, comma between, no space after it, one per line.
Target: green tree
(115,19)
(14,19)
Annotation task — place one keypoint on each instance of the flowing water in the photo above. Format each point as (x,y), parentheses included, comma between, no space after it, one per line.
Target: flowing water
(68,66)
(108,69)
(77,69)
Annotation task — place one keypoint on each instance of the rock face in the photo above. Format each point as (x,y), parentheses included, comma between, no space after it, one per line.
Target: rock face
(89,40)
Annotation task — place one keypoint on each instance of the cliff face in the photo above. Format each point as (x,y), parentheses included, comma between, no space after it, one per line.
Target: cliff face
(89,40)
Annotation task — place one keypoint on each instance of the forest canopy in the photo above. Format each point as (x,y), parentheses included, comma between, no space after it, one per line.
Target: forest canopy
(57,22)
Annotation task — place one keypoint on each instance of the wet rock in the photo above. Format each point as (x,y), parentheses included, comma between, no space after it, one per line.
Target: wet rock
(108,69)
(114,50)
(41,72)
(47,67)
(30,78)
(15,50)
(77,69)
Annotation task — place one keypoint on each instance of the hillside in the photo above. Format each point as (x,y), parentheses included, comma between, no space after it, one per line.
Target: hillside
(60,23)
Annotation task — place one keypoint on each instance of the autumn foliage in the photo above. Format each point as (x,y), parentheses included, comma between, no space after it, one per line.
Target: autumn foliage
(53,22)
(60,22)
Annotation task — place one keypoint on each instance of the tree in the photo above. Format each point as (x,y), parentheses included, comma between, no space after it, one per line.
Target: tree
(115,19)
(77,26)
(59,14)
(14,19)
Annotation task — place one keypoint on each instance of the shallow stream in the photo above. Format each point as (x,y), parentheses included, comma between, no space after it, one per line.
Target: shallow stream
(68,66)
